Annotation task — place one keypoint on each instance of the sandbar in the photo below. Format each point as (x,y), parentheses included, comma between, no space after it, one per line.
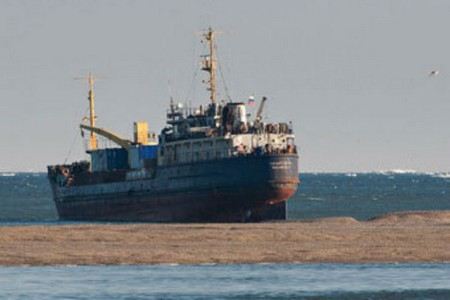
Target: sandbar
(395,237)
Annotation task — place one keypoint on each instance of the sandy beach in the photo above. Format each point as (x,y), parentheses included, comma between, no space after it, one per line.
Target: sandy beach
(400,237)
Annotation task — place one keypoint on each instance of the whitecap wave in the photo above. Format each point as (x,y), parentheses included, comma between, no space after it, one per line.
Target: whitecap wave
(443,175)
(398,171)
(315,199)
(8,174)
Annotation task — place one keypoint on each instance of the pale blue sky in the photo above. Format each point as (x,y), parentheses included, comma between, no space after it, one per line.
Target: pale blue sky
(351,75)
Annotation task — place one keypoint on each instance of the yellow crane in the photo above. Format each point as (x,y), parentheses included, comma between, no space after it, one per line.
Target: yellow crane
(141,133)
(93,143)
(124,143)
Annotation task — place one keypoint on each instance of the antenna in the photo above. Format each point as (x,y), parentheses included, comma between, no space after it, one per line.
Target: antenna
(169,88)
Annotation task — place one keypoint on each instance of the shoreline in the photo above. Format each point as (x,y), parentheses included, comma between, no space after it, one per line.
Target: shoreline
(407,237)
(295,263)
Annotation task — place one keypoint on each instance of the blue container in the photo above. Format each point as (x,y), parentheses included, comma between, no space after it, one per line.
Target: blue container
(117,158)
(146,152)
(99,160)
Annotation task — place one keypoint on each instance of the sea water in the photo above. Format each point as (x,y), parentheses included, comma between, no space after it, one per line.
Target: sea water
(257,281)
(26,199)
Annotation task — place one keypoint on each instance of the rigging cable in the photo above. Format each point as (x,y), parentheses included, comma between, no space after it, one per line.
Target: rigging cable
(73,142)
(191,90)
(225,87)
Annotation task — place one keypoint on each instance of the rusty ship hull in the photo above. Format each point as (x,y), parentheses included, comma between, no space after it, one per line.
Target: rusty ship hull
(236,189)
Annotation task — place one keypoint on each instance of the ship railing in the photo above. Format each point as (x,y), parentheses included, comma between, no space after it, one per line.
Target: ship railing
(241,150)
(214,154)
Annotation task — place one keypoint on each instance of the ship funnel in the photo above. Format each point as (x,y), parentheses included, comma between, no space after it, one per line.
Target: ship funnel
(235,117)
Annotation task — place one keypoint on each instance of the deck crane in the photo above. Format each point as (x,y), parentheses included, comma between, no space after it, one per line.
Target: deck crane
(93,142)
(124,143)
(258,117)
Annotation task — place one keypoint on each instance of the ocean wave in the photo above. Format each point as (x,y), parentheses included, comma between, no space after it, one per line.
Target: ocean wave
(444,175)
(403,172)
(7,174)
(351,174)
(315,199)
(397,172)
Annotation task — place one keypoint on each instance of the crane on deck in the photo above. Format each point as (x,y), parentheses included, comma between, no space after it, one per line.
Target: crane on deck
(141,128)
(258,118)
(124,143)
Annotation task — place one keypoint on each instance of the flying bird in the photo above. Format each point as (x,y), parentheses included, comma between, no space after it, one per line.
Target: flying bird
(434,73)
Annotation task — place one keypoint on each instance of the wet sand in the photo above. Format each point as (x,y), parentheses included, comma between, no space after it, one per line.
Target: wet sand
(401,237)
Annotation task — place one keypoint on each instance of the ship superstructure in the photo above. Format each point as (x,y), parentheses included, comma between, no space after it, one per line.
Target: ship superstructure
(213,163)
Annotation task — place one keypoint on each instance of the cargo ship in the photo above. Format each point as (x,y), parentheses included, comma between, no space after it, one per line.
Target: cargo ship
(215,163)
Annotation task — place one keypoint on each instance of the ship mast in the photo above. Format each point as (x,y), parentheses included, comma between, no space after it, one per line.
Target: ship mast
(210,63)
(92,117)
